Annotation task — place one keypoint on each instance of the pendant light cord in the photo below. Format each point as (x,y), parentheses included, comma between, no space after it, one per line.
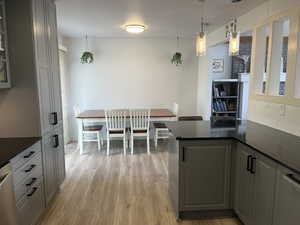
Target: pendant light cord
(86,43)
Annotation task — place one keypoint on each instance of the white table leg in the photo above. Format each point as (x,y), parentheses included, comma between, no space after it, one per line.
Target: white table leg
(80,137)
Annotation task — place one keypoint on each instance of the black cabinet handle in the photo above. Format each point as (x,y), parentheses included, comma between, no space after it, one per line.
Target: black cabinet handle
(248,163)
(32,192)
(33,180)
(54,118)
(30,154)
(56,141)
(30,168)
(253,165)
(293,178)
(183,154)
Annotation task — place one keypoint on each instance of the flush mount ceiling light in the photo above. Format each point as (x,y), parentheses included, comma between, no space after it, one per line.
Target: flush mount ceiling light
(135,28)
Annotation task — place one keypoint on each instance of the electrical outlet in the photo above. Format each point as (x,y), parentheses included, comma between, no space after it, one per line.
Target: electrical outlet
(282,110)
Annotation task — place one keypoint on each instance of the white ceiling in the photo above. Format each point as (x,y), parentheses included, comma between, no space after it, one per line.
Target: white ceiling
(164,18)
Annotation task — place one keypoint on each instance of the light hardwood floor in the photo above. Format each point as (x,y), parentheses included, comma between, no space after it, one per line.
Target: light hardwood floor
(116,190)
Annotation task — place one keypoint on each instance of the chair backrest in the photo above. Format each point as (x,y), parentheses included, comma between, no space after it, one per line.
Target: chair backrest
(190,118)
(175,109)
(115,119)
(76,109)
(140,119)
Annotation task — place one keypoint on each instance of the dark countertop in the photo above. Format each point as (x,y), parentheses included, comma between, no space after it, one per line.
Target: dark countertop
(10,147)
(275,144)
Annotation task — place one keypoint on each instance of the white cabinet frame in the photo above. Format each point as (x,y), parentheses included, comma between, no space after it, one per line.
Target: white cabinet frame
(292,86)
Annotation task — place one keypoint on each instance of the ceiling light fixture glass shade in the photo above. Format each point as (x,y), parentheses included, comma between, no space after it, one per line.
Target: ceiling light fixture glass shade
(201,41)
(234,38)
(234,43)
(135,28)
(201,44)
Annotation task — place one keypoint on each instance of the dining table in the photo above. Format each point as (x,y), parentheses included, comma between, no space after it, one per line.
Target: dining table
(98,116)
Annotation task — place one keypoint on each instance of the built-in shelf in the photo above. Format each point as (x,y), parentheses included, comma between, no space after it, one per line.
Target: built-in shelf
(226,97)
(225,112)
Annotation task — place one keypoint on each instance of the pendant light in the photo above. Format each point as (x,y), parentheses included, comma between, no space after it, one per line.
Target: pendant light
(201,37)
(234,39)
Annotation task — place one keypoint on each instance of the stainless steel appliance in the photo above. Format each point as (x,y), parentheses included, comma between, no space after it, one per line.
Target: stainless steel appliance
(8,210)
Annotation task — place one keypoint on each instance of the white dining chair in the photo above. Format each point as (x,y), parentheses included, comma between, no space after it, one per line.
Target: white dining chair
(116,126)
(160,129)
(140,126)
(88,128)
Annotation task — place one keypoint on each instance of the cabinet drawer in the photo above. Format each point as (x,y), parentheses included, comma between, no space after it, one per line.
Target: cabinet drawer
(31,205)
(25,156)
(34,165)
(24,186)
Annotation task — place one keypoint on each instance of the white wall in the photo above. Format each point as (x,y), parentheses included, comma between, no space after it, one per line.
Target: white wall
(132,73)
(280,116)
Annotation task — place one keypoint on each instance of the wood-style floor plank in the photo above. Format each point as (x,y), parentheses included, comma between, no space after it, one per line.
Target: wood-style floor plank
(116,190)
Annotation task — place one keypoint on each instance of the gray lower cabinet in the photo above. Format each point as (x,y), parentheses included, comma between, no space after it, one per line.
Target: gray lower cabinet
(244,184)
(205,175)
(54,162)
(255,177)
(287,202)
(29,184)
(50,174)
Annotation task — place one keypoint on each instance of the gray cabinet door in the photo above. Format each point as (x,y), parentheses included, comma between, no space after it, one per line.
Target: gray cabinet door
(50,168)
(54,60)
(205,175)
(287,203)
(60,156)
(43,69)
(244,187)
(264,188)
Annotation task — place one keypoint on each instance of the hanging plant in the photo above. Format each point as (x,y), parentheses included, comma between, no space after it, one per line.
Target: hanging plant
(177,57)
(87,56)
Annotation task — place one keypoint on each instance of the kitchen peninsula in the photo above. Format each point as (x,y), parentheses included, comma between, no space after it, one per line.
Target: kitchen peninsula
(234,168)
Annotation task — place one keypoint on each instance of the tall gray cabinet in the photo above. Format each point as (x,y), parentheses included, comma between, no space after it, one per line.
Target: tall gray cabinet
(33,23)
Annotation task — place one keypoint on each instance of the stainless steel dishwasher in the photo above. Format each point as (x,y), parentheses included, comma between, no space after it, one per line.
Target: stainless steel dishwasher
(8,210)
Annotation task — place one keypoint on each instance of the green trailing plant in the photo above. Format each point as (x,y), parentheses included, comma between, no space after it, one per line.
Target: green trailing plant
(87,57)
(177,59)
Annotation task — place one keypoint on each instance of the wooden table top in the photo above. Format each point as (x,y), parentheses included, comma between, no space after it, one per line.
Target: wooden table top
(100,114)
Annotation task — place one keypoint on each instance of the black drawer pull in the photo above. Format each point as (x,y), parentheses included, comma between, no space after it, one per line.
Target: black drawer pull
(33,180)
(56,141)
(253,165)
(54,118)
(183,154)
(248,162)
(293,178)
(30,154)
(32,192)
(30,168)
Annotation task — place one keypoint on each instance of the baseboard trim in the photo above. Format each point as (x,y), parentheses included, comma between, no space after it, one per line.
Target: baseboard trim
(206,214)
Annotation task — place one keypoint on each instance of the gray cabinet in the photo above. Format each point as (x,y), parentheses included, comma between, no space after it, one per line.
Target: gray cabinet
(29,185)
(264,189)
(244,184)
(287,203)
(205,175)
(54,162)
(255,186)
(50,174)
